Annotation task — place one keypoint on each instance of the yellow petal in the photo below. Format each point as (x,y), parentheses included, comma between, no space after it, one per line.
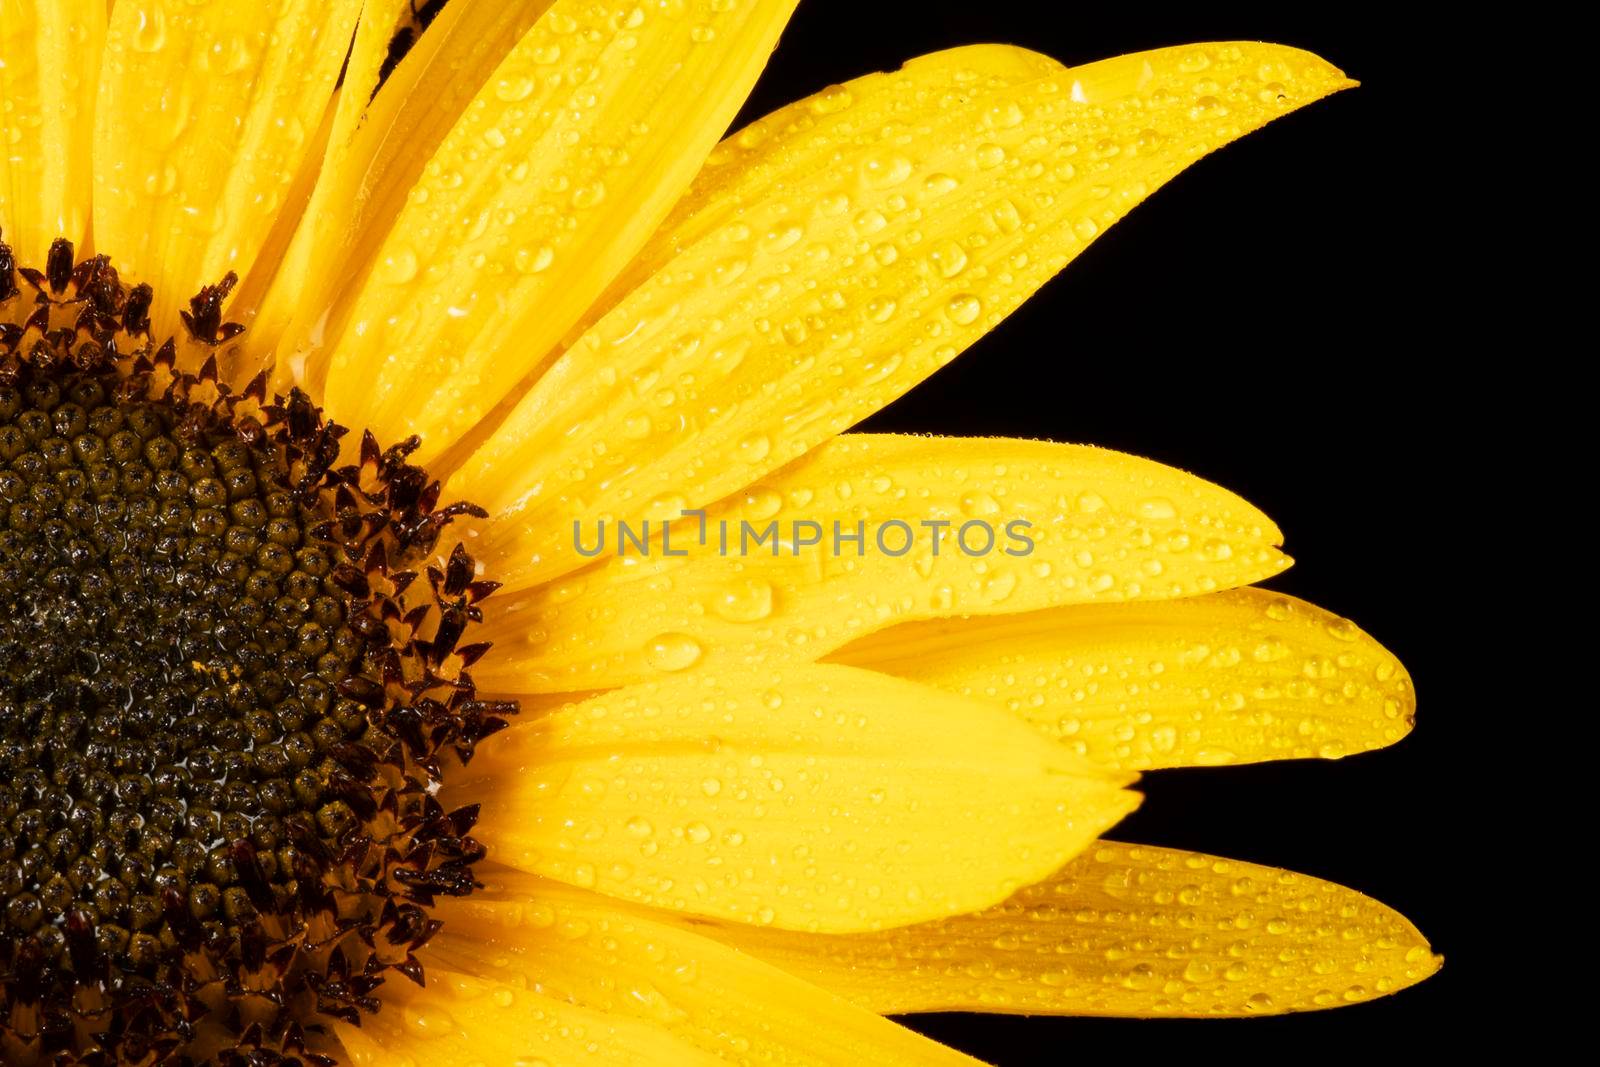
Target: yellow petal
(461,1021)
(1103,526)
(816,798)
(376,154)
(49,57)
(565,163)
(1125,930)
(205,118)
(526,931)
(846,250)
(241,362)
(776,148)
(1239,676)
(285,267)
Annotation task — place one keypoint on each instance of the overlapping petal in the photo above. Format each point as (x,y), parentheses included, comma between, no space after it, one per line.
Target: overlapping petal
(556,174)
(942,527)
(479,261)
(1234,677)
(285,268)
(376,154)
(49,56)
(833,257)
(461,1021)
(206,115)
(595,951)
(1125,930)
(813,798)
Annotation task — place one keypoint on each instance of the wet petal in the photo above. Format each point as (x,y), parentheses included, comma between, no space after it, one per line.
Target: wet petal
(1235,677)
(1100,526)
(844,251)
(205,117)
(49,57)
(595,951)
(375,156)
(557,173)
(816,798)
(461,1021)
(1126,930)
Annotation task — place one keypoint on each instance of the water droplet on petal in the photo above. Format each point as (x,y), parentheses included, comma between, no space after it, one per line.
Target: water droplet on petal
(151,32)
(832,99)
(674,652)
(964,309)
(533,260)
(754,448)
(748,600)
(949,259)
(1157,508)
(883,172)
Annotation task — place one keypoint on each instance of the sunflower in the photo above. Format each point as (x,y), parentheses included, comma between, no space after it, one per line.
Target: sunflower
(380,681)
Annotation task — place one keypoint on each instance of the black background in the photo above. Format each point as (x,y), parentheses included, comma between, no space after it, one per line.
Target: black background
(1257,322)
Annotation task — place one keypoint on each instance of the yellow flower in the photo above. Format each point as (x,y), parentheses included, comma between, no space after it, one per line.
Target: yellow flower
(754,797)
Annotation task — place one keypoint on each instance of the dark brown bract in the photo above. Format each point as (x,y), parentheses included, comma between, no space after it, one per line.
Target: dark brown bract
(230,682)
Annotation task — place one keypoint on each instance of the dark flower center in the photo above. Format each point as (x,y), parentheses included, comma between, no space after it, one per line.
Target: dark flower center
(230,681)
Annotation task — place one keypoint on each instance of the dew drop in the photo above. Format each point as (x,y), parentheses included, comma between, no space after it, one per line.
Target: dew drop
(949,259)
(754,448)
(869,222)
(1157,508)
(884,172)
(747,600)
(429,1022)
(989,156)
(979,504)
(781,238)
(533,260)
(161,182)
(513,89)
(399,266)
(1000,586)
(728,270)
(964,309)
(1007,218)
(881,309)
(833,99)
(151,33)
(1003,116)
(674,652)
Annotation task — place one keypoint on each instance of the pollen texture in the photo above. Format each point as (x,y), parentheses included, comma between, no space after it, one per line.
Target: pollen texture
(230,679)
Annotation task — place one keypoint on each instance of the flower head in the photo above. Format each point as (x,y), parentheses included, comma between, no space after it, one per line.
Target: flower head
(466,734)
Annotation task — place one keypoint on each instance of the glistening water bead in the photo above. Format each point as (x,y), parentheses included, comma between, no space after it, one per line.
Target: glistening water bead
(229,681)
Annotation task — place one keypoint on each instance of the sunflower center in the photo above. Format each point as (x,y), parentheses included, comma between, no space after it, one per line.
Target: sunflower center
(171,648)
(226,700)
